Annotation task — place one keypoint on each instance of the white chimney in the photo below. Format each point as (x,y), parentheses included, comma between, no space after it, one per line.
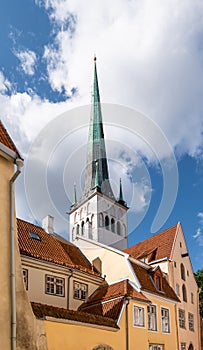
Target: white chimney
(48,224)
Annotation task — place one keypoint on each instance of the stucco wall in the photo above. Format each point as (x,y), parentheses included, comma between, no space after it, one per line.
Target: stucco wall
(30,334)
(62,336)
(185,335)
(6,172)
(114,264)
(37,270)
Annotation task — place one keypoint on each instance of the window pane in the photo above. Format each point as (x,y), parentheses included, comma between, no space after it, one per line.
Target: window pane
(55,285)
(80,290)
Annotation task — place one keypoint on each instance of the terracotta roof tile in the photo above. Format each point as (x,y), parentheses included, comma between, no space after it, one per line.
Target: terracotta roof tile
(41,311)
(49,248)
(110,309)
(108,300)
(145,278)
(156,247)
(108,292)
(6,139)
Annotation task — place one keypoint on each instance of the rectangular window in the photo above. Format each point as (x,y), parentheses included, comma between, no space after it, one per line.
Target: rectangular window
(191,321)
(25,278)
(165,321)
(181,316)
(138,316)
(156,347)
(80,290)
(54,285)
(152,319)
(183,346)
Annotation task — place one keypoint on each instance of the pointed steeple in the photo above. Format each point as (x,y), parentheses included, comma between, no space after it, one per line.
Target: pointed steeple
(96,152)
(120,199)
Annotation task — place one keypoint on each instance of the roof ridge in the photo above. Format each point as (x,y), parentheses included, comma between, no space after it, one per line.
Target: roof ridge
(6,139)
(158,233)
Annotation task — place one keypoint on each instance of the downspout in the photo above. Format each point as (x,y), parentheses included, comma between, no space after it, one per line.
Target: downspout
(19,163)
(126,323)
(68,288)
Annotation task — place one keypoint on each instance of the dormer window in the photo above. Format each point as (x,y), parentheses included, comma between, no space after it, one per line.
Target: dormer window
(34,235)
(158,282)
(157,277)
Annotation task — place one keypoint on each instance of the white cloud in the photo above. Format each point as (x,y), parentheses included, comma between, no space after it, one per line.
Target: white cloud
(149,57)
(200,216)
(5,85)
(27,60)
(199,233)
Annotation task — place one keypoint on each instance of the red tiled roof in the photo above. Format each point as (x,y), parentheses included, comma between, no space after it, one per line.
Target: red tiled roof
(110,309)
(118,289)
(108,300)
(145,278)
(42,311)
(156,247)
(49,248)
(6,139)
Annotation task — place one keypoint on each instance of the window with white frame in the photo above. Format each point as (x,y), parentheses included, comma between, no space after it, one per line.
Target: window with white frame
(54,285)
(138,316)
(80,290)
(156,347)
(183,346)
(152,318)
(165,320)
(25,278)
(191,321)
(181,316)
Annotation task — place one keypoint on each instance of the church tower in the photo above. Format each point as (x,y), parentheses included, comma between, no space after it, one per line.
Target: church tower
(98,215)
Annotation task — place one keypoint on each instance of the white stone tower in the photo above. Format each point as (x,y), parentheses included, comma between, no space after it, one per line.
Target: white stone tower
(98,215)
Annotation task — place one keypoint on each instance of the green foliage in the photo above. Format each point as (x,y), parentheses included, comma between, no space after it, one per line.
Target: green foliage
(199,279)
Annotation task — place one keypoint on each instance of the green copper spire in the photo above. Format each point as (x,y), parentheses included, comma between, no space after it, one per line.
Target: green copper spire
(74,195)
(96,151)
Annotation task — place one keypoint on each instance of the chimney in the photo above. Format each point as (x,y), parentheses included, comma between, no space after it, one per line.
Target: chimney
(48,224)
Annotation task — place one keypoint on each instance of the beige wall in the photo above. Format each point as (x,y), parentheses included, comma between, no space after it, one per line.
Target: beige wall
(37,270)
(115,264)
(185,335)
(30,334)
(64,336)
(142,337)
(6,172)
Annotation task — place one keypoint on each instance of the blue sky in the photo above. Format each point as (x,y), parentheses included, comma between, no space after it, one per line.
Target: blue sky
(150,59)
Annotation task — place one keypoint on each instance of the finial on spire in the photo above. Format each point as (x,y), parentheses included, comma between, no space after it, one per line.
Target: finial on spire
(95,57)
(74,195)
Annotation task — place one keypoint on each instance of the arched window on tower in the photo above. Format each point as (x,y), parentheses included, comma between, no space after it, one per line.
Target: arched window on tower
(73,234)
(78,229)
(182,271)
(101,220)
(118,228)
(124,230)
(75,217)
(112,225)
(82,228)
(81,213)
(88,208)
(184,291)
(107,222)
